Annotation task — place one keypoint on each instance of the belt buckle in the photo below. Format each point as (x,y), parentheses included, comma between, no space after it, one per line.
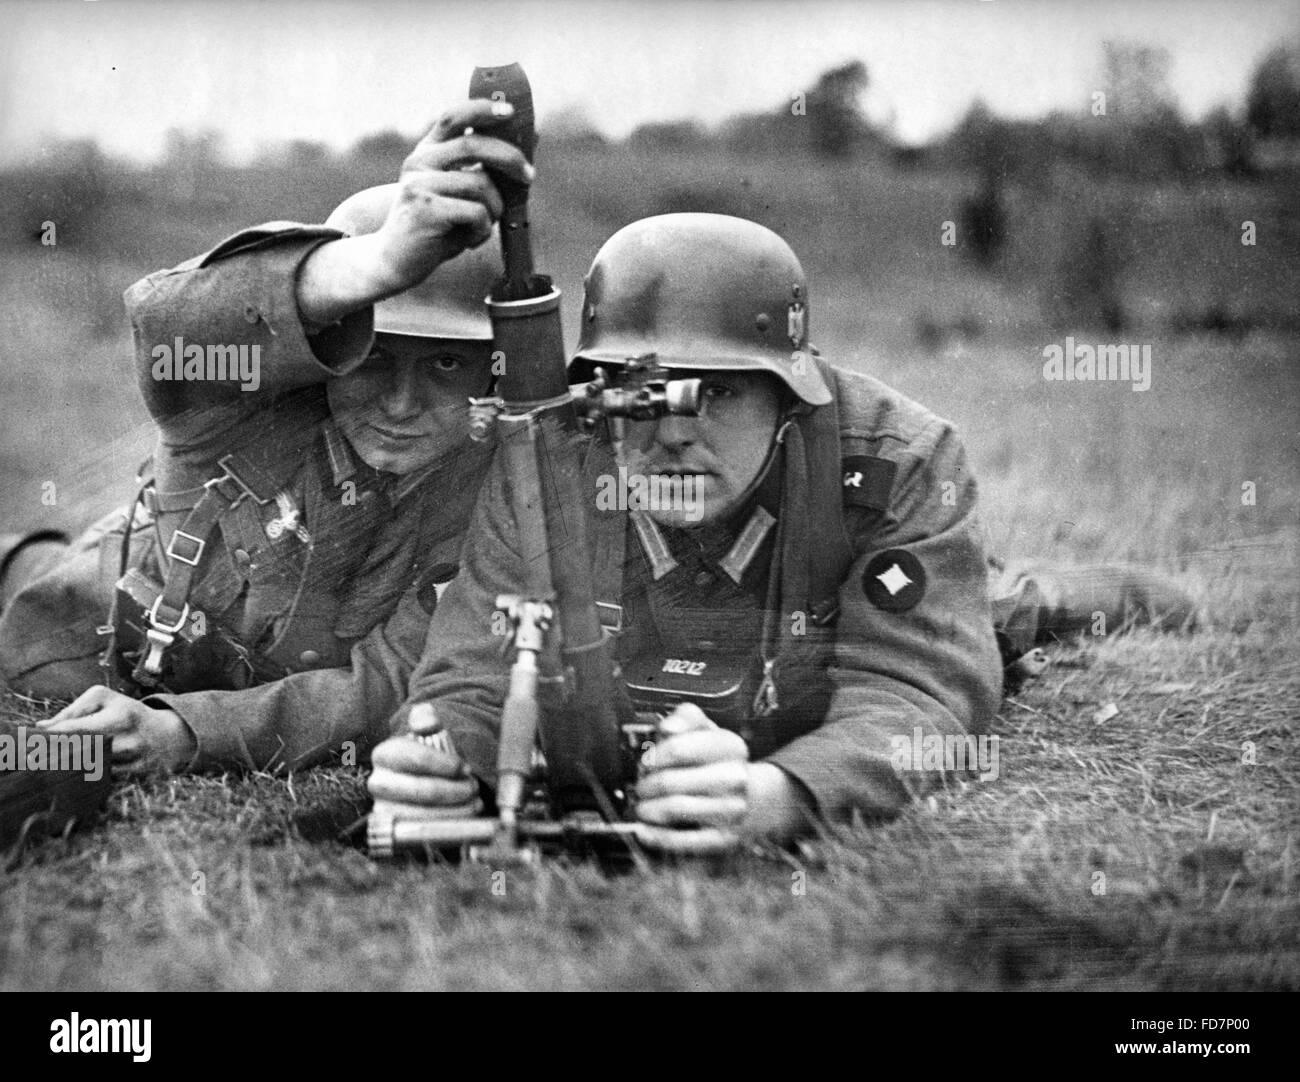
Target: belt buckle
(199,545)
(230,473)
(162,628)
(160,637)
(617,610)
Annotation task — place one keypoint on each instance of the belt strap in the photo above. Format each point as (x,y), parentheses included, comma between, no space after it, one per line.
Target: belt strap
(830,553)
(608,541)
(166,503)
(239,480)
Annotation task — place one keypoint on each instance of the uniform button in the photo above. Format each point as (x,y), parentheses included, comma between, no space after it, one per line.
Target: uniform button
(703,579)
(243,560)
(309,657)
(251,314)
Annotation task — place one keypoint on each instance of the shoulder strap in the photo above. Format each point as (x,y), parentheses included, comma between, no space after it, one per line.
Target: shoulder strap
(608,541)
(238,481)
(829,554)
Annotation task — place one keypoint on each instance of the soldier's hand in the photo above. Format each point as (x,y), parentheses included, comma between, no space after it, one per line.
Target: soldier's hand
(696,775)
(446,199)
(144,738)
(418,775)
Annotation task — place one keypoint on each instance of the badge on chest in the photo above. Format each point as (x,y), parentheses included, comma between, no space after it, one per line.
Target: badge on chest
(722,685)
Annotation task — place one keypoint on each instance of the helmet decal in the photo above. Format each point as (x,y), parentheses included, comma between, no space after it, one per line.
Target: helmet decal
(795,324)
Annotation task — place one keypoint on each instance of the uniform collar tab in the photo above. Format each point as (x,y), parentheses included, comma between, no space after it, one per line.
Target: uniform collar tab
(741,554)
(653,544)
(342,462)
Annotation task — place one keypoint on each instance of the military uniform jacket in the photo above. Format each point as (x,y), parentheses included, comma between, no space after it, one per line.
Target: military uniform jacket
(325,591)
(898,660)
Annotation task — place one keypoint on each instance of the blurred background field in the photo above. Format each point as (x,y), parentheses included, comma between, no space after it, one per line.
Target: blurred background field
(1123,229)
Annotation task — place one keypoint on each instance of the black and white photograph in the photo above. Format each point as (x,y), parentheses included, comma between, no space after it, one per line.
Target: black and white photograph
(646,495)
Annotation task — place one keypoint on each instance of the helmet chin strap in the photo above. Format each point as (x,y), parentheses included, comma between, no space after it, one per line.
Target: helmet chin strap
(773,452)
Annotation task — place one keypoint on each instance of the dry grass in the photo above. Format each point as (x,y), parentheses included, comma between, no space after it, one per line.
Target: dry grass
(1144,851)
(1138,853)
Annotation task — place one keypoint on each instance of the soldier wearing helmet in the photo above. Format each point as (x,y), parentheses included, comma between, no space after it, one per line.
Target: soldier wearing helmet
(267,594)
(811,592)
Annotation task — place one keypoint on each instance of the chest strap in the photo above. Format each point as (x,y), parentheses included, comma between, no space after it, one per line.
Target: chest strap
(238,481)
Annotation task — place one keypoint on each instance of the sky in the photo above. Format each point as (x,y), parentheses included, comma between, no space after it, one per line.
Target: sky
(259,72)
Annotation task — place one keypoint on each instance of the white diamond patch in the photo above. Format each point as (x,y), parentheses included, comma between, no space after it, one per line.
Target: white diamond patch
(894,579)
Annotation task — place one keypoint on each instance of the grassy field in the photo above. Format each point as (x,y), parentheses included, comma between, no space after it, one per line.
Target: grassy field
(1157,849)
(1139,853)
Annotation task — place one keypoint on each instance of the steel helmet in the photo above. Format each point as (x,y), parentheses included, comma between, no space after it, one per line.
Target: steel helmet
(701,291)
(447,304)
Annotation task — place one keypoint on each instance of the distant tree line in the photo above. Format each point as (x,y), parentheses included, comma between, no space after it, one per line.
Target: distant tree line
(1129,124)
(1133,128)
